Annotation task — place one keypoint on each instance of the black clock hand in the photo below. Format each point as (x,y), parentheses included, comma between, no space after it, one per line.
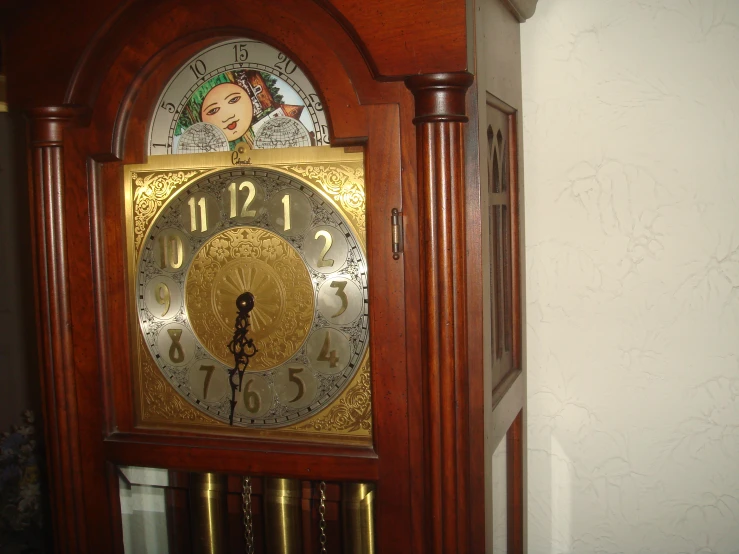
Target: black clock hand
(241,346)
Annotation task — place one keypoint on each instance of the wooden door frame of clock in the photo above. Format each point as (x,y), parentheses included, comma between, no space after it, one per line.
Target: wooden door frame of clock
(81,188)
(91,119)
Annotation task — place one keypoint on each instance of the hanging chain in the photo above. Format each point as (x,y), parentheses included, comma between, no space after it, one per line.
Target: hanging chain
(246,506)
(322,511)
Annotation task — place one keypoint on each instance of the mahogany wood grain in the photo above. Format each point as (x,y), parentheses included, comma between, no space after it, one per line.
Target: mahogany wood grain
(514,479)
(426,27)
(114,510)
(54,324)
(430,34)
(387,328)
(440,112)
(177,509)
(476,331)
(300,466)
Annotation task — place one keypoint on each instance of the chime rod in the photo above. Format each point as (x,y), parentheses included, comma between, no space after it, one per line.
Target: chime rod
(209,512)
(282,516)
(357,507)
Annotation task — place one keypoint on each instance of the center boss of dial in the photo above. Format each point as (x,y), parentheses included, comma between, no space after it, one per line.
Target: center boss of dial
(258,261)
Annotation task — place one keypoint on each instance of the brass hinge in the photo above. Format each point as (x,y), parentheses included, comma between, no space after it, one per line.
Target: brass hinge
(396,221)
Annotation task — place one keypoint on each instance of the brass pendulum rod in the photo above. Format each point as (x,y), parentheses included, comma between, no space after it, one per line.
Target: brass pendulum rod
(357,506)
(209,512)
(282,516)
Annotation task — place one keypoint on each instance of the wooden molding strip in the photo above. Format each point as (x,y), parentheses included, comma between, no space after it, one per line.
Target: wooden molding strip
(440,114)
(54,322)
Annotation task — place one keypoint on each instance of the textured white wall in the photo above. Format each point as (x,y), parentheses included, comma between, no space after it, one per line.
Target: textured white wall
(631,133)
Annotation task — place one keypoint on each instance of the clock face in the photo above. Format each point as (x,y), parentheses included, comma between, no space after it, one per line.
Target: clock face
(234,95)
(263,231)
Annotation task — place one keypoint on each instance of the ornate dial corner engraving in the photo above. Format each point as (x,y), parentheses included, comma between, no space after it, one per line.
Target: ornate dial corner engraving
(151,191)
(160,404)
(352,413)
(345,185)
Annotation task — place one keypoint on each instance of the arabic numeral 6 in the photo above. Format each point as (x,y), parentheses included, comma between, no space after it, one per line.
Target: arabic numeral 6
(251,399)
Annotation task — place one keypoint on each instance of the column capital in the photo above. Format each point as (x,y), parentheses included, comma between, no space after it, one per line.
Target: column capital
(440,96)
(47,123)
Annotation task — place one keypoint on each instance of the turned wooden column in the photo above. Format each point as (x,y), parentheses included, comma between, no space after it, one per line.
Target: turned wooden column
(46,127)
(440,116)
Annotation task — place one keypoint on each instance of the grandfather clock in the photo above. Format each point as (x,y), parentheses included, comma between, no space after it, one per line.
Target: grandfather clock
(278,255)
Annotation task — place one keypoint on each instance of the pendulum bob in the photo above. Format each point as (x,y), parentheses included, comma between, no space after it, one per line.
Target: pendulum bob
(209,513)
(357,507)
(282,516)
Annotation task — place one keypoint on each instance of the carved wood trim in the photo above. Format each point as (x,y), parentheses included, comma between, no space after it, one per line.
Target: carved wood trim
(440,114)
(46,127)
(522,9)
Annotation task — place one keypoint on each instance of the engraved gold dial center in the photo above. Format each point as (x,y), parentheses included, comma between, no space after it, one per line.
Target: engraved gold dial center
(261,262)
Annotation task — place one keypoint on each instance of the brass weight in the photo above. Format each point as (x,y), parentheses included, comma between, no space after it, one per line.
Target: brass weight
(357,506)
(282,516)
(209,512)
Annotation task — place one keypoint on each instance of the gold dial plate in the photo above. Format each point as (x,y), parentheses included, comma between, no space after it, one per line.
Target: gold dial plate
(199,244)
(263,263)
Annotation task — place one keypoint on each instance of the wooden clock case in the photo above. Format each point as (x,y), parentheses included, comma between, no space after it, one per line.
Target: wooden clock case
(395,79)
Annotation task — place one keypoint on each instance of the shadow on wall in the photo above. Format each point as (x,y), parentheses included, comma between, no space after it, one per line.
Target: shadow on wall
(550,500)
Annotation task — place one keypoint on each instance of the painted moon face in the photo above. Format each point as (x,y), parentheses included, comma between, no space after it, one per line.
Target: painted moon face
(228,107)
